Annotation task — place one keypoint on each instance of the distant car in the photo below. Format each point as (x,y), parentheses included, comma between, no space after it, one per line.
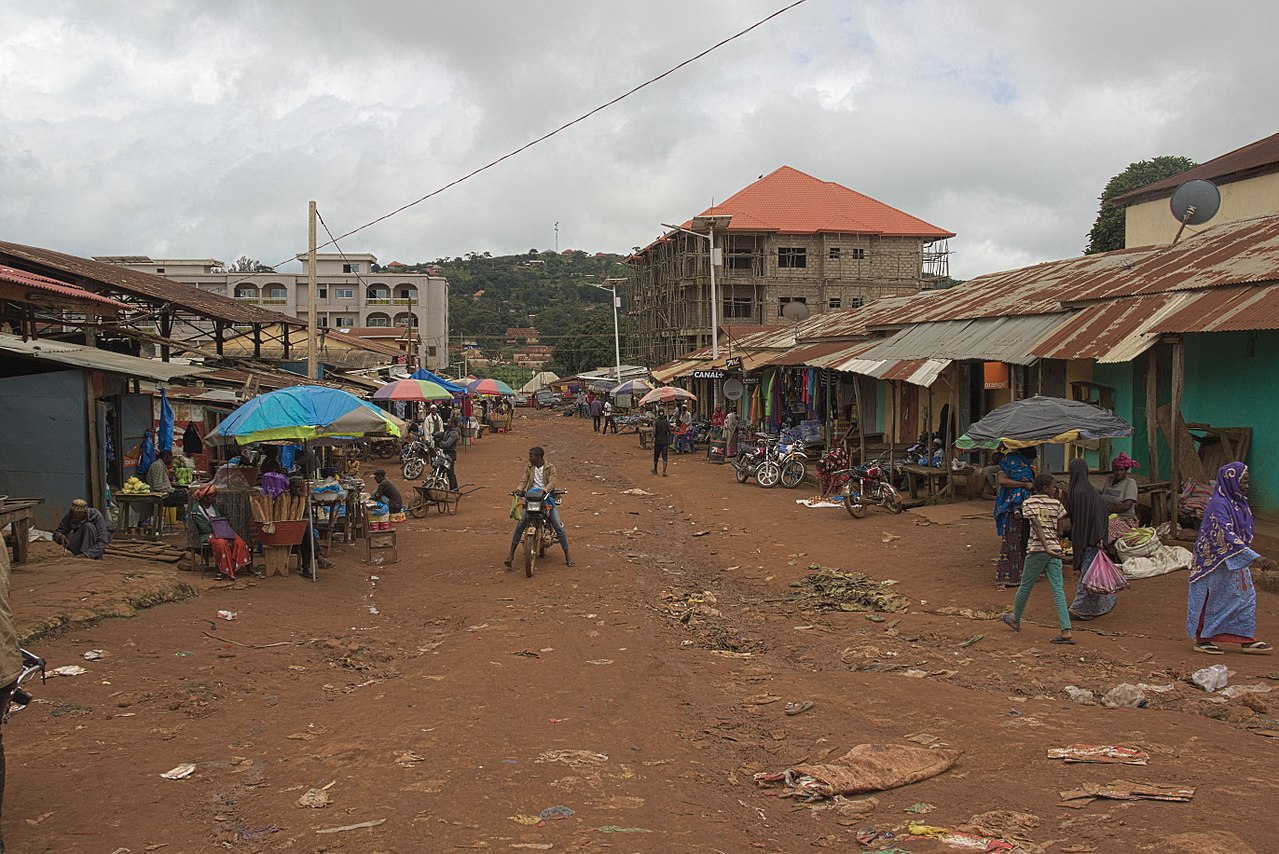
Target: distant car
(521,400)
(544,398)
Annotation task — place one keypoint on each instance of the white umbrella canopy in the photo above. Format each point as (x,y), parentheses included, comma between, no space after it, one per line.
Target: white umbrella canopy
(667,394)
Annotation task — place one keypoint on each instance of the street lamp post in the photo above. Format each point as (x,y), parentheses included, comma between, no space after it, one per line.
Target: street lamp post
(709,222)
(617,341)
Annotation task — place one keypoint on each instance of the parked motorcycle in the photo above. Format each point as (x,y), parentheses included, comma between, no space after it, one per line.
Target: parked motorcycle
(538,534)
(416,454)
(791,458)
(867,484)
(758,461)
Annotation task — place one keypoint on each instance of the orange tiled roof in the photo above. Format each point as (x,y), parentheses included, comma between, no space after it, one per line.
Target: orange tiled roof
(792,202)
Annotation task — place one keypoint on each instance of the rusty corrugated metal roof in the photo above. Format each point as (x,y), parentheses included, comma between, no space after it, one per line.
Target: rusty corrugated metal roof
(808,355)
(990,339)
(920,372)
(22,278)
(97,276)
(1236,309)
(1112,331)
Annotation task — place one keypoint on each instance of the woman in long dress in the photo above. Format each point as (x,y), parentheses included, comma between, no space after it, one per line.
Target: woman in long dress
(230,552)
(1015,479)
(1222,606)
(1088,528)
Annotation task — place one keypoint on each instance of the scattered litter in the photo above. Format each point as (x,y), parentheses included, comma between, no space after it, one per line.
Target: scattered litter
(635,491)
(762,699)
(1239,690)
(612,828)
(1103,754)
(1007,826)
(926,739)
(408,759)
(600,661)
(809,502)
(572,757)
(1123,790)
(1080,695)
(849,812)
(179,773)
(1158,689)
(700,533)
(557,811)
(888,538)
(316,798)
(868,836)
(799,706)
(972,640)
(363,824)
(1211,678)
(227,615)
(864,768)
(835,590)
(94,654)
(68,670)
(536,846)
(919,808)
(526,820)
(183,654)
(1124,695)
(526,654)
(959,839)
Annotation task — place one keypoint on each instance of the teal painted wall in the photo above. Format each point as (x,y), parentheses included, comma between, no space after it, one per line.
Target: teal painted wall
(1232,380)
(1120,378)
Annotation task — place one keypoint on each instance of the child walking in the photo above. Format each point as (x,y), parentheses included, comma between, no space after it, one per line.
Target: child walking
(1046,516)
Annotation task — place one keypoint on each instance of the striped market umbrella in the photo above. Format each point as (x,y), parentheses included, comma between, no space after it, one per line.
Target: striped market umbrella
(631,387)
(489,387)
(666,394)
(412,390)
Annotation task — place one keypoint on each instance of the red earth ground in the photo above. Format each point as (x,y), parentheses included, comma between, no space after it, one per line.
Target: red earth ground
(449,700)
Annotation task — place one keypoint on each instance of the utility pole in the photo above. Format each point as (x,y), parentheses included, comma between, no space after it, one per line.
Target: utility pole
(312,348)
(557,238)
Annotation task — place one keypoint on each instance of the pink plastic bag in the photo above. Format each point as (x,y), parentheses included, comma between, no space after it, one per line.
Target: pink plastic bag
(1103,576)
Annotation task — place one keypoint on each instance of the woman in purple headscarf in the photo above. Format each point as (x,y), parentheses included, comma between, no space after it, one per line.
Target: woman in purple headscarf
(1223,601)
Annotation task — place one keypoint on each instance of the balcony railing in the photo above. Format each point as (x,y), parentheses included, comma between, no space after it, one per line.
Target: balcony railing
(379,301)
(274,301)
(253,298)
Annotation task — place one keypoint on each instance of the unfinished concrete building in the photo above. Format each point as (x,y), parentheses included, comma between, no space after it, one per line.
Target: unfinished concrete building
(792,238)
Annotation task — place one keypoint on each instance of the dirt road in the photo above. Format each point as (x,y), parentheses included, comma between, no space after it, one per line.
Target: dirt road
(450,702)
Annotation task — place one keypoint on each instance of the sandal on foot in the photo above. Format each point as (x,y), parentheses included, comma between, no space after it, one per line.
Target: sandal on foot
(1015,625)
(1060,639)
(507,563)
(799,707)
(1209,649)
(1256,648)
(568,561)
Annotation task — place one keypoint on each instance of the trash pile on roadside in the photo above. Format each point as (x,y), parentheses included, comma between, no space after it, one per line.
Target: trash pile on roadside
(836,590)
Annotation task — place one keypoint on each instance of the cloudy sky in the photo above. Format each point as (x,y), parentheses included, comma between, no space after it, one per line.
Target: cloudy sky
(186,129)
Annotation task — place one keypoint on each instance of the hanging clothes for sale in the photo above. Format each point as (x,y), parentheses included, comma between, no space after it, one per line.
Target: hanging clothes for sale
(192,444)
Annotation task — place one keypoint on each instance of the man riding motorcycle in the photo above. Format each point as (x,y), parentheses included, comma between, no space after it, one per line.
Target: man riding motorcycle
(539,475)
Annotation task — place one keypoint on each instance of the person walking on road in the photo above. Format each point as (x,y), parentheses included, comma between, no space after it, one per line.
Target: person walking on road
(10,661)
(1222,605)
(1046,517)
(597,412)
(608,417)
(581,403)
(661,441)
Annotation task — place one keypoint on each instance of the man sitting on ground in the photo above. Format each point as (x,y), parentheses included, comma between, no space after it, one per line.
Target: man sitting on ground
(83,531)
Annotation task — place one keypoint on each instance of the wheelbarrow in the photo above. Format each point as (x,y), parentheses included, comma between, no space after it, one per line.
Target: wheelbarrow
(442,499)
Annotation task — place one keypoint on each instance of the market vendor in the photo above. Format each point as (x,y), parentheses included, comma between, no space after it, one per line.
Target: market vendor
(311,539)
(230,552)
(83,531)
(389,493)
(158,480)
(329,493)
(1120,494)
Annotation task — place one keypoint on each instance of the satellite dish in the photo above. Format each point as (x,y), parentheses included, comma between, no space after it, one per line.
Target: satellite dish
(734,389)
(795,311)
(1195,202)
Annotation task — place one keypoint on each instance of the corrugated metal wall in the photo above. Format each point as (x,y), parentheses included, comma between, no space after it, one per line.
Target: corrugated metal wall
(43,441)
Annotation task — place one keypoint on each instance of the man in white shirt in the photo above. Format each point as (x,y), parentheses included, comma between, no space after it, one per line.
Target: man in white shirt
(434,423)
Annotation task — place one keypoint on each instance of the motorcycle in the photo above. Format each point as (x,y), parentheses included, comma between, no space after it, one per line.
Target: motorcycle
(759,462)
(791,459)
(867,484)
(538,534)
(31,664)
(416,454)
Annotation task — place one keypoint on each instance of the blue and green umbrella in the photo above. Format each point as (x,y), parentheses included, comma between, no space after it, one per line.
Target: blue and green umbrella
(302,413)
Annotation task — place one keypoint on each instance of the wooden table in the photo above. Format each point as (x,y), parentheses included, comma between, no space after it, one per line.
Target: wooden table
(17,512)
(928,474)
(151,500)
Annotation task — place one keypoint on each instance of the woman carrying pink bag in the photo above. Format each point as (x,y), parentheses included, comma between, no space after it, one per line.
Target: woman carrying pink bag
(1089,527)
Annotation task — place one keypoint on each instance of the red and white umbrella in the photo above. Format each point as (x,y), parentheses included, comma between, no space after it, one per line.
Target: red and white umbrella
(666,394)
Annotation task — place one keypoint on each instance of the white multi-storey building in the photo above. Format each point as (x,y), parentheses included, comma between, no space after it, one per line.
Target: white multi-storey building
(349,293)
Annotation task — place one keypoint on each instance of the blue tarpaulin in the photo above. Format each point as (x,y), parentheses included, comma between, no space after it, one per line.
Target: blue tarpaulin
(164,437)
(424,374)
